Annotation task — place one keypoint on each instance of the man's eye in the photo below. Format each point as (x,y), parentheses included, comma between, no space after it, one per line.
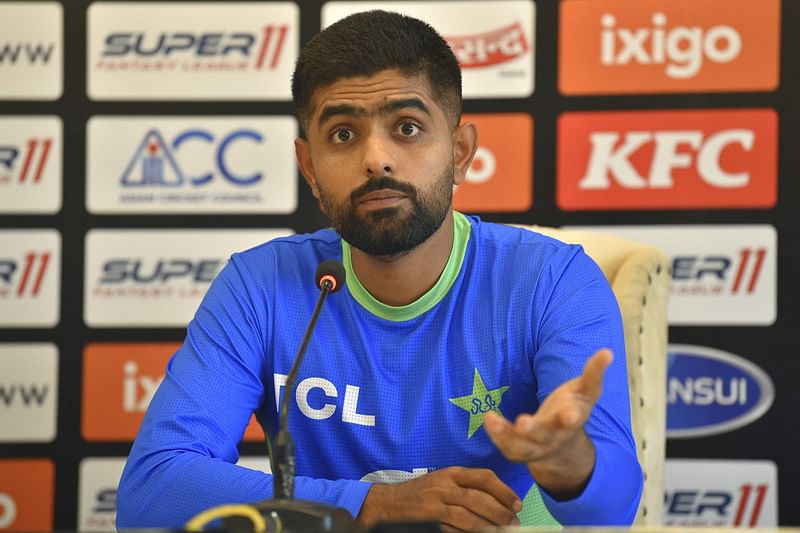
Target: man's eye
(342,136)
(409,129)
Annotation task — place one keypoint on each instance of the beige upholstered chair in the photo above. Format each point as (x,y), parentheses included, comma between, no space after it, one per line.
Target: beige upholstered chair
(639,274)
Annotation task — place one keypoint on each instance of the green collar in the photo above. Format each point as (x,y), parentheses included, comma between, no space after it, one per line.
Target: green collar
(402,313)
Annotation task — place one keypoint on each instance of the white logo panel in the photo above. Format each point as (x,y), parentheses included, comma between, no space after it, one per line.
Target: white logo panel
(156,278)
(28,392)
(97,502)
(721,274)
(30,277)
(720,493)
(493,41)
(31,50)
(191,50)
(191,165)
(30,164)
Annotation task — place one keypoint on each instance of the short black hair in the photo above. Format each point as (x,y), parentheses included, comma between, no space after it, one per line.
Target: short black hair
(369,42)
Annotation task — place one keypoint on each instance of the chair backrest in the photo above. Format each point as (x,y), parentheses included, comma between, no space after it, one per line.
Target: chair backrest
(639,275)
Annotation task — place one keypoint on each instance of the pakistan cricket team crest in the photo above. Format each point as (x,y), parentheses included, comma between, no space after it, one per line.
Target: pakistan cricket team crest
(480,402)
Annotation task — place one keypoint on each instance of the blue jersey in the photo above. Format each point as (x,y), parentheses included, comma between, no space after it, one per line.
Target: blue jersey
(384,393)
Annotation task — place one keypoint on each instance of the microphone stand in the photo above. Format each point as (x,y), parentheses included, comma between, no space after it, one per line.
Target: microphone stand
(283,512)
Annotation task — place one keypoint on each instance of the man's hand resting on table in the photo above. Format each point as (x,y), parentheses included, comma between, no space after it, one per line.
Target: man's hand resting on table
(468,499)
(552,441)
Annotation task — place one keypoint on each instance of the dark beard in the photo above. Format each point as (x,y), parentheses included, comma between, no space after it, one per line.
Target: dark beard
(392,232)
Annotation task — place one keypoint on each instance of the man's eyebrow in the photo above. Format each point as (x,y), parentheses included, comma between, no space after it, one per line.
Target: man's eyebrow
(342,109)
(386,108)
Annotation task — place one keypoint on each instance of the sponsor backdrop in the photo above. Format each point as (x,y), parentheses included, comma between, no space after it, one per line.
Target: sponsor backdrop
(143,142)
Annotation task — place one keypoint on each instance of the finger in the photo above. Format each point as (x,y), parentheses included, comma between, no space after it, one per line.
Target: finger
(483,504)
(487,481)
(591,381)
(516,446)
(463,519)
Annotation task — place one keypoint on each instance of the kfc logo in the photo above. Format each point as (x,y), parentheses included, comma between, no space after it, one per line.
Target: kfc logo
(26,494)
(668,46)
(667,160)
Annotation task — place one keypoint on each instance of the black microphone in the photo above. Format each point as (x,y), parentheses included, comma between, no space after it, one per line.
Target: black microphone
(330,277)
(283,512)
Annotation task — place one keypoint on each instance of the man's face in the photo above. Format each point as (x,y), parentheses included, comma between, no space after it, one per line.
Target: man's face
(380,158)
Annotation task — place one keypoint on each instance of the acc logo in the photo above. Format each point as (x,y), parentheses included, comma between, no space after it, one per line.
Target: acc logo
(690,159)
(710,391)
(154,163)
(489,48)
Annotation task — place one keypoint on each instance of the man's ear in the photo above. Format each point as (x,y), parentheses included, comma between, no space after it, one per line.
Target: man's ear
(302,151)
(465,143)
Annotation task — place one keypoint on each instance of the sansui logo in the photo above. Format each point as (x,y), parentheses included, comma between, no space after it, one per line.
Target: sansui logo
(153,277)
(30,268)
(31,43)
(195,51)
(192,165)
(720,493)
(218,51)
(493,41)
(721,274)
(667,160)
(501,175)
(668,46)
(490,48)
(26,494)
(120,380)
(30,158)
(28,392)
(681,49)
(710,391)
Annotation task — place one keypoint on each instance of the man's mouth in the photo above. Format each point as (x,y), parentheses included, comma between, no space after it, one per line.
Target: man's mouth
(382,198)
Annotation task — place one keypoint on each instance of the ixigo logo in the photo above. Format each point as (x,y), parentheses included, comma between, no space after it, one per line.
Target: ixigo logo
(681,48)
(23,278)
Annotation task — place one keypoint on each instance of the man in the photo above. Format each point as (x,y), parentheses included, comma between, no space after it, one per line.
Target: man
(449,329)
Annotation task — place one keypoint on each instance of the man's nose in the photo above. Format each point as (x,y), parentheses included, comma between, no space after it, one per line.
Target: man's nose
(378,160)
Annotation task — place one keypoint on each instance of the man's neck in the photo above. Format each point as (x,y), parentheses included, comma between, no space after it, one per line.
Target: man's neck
(404,279)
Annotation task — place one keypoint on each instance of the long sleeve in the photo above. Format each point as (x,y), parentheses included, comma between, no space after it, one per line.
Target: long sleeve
(580,316)
(182,460)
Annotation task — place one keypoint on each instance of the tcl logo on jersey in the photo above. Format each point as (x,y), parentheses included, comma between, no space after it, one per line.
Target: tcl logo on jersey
(120,380)
(618,46)
(31,48)
(501,175)
(710,391)
(156,278)
(349,403)
(28,392)
(721,274)
(30,271)
(26,494)
(493,41)
(30,164)
(216,51)
(667,159)
(192,165)
(720,493)
(97,503)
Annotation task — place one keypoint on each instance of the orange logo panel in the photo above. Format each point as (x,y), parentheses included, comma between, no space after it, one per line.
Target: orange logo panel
(501,175)
(700,159)
(664,46)
(119,380)
(26,494)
